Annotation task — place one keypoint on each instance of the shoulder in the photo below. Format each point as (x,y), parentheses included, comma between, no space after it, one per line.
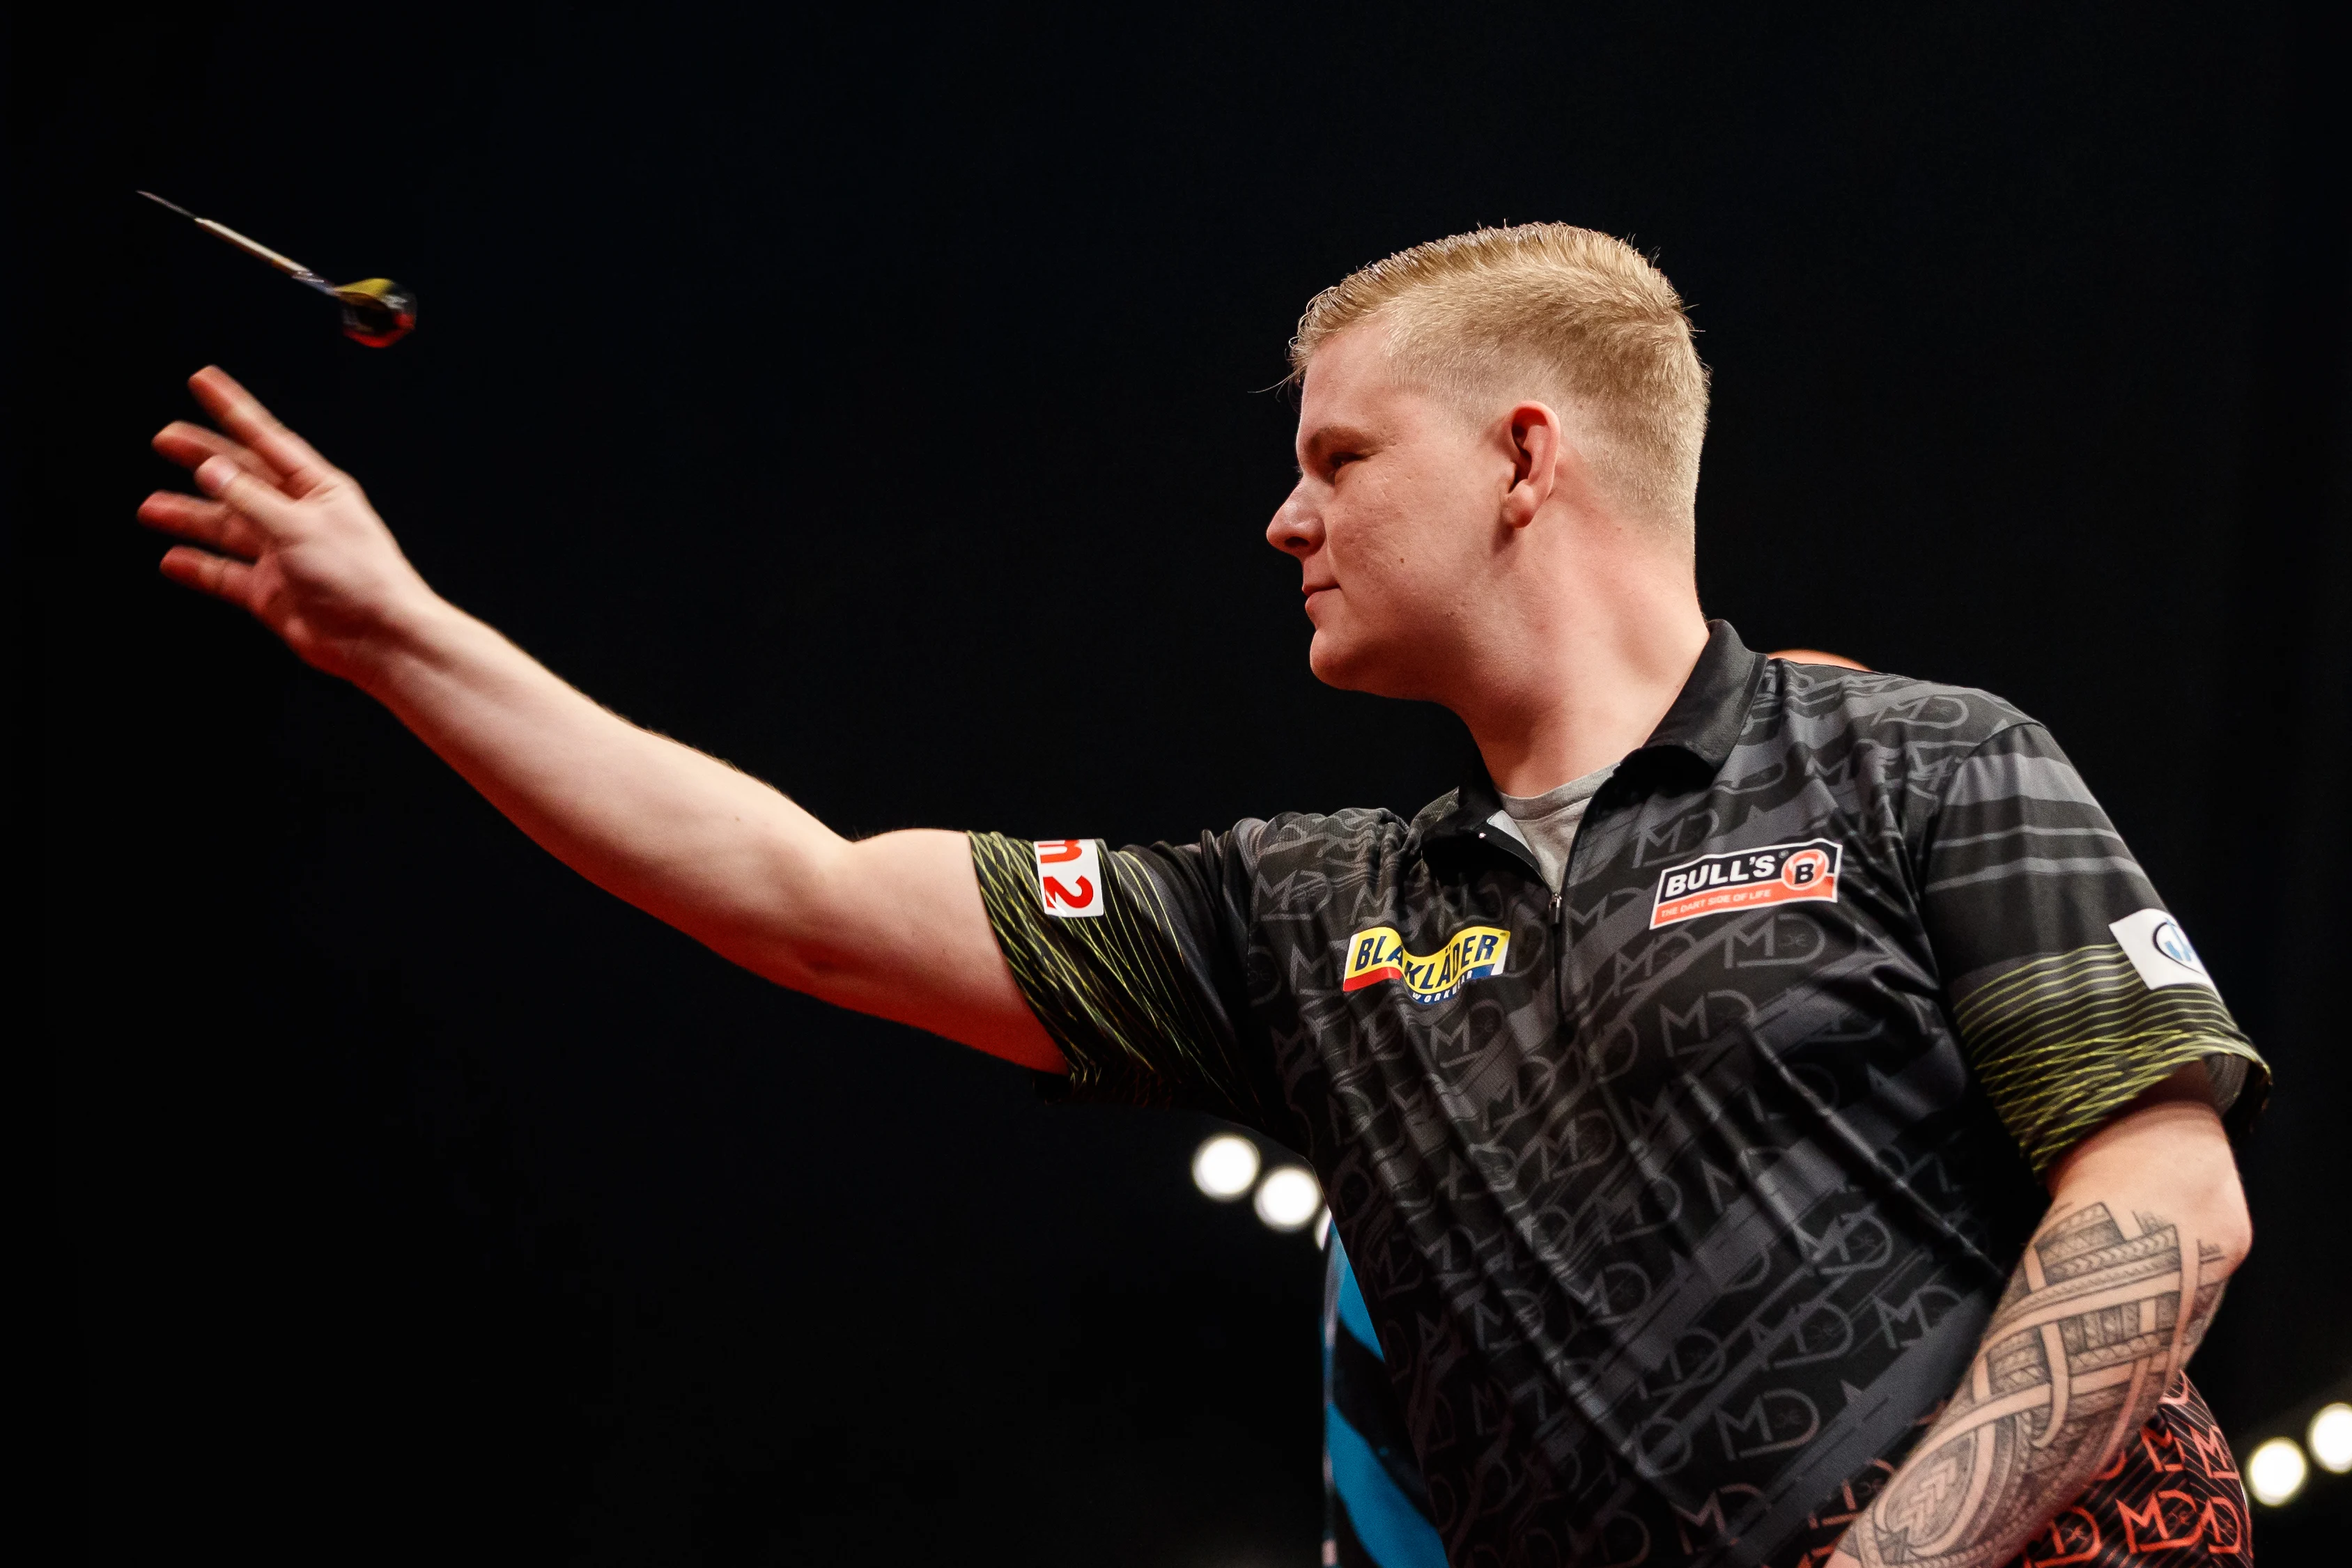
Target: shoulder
(1297,841)
(1881,704)
(1294,852)
(1922,728)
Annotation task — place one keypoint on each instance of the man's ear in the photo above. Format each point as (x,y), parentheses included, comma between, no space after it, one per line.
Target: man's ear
(1539,451)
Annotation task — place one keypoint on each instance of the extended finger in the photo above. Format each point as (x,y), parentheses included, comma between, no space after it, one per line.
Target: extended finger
(209,573)
(206,522)
(258,500)
(298,463)
(189,445)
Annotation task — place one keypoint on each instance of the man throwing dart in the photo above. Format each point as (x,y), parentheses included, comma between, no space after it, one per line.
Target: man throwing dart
(1771,1115)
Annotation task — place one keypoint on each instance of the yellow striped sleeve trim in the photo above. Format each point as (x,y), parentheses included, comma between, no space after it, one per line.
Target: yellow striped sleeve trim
(2063,1042)
(1114,991)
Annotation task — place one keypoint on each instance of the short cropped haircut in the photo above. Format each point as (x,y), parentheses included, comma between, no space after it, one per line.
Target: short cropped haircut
(1537,309)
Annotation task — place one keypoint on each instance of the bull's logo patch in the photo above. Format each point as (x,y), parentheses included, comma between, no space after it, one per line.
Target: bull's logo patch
(1471,954)
(1719,884)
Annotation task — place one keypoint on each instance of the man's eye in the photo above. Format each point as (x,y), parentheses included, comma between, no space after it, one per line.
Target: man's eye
(1341,459)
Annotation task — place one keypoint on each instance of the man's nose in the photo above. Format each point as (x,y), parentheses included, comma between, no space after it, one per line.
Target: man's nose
(1296,530)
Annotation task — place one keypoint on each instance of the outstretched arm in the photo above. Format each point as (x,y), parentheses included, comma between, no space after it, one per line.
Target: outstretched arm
(2113,1293)
(891,926)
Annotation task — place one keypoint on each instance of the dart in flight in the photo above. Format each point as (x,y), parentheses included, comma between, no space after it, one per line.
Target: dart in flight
(377,310)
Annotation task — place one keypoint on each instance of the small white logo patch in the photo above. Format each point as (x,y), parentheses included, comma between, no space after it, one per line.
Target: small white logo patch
(2159,950)
(1069,877)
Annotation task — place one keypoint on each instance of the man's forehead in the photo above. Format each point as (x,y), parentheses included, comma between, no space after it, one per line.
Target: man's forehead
(1350,386)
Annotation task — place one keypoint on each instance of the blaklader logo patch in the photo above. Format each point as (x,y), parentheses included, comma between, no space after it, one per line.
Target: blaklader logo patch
(1471,953)
(1719,884)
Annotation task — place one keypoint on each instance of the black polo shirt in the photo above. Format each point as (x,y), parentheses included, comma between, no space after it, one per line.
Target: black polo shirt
(1680,1199)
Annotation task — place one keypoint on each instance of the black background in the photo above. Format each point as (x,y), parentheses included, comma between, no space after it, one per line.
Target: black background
(877,403)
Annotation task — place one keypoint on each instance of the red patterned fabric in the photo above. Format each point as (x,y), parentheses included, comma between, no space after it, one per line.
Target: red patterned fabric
(2171,1498)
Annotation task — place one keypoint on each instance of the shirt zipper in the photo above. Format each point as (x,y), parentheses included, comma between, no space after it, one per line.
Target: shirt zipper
(1509,846)
(1560,899)
(1559,944)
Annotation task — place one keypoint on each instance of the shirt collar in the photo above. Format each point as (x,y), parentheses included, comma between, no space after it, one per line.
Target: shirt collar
(1712,707)
(1698,732)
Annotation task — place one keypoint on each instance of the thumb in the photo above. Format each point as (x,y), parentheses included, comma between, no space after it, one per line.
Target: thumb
(262,504)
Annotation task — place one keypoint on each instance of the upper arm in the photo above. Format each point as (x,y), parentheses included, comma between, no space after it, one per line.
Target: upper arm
(2073,988)
(906,936)
(2164,1152)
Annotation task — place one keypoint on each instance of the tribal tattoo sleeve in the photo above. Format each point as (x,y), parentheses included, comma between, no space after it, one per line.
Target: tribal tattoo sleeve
(2094,1327)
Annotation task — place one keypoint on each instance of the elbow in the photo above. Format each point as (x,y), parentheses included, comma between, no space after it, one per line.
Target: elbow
(793,924)
(2214,1199)
(2199,1192)
(811,964)
(2208,1202)
(2226,1226)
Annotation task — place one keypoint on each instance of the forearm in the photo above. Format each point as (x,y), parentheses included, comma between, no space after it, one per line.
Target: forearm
(2109,1301)
(681,834)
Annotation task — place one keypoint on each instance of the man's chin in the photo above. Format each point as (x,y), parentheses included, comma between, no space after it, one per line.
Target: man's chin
(1348,668)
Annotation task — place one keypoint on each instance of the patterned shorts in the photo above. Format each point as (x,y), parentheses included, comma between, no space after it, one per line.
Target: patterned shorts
(2171,1497)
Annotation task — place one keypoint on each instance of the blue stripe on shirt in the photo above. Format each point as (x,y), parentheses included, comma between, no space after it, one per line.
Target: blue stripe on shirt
(1383,1519)
(1381,1515)
(1354,1315)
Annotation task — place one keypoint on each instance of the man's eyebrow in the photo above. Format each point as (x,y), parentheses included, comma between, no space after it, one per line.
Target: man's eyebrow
(1326,436)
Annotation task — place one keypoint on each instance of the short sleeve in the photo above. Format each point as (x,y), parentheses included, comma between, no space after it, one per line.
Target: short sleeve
(1131,960)
(2073,986)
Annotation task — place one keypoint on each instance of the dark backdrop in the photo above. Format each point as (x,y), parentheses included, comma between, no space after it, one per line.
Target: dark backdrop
(877,403)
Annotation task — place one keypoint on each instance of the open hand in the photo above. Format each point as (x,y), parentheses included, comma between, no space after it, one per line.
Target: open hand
(283,533)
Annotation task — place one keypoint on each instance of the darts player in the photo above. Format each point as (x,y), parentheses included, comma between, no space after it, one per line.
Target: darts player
(1771,1115)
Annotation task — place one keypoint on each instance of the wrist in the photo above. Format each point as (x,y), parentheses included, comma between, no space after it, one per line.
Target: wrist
(419,631)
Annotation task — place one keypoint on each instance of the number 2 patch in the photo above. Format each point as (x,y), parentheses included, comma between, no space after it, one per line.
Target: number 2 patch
(1069,877)
(1718,884)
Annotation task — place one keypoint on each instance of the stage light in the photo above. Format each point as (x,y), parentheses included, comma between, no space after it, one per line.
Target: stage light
(1287,1199)
(2331,1438)
(2276,1472)
(1224,1166)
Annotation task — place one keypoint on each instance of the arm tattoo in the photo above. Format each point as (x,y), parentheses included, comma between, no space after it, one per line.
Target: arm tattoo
(2084,1341)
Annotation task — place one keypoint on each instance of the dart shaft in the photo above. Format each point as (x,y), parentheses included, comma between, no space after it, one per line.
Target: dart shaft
(254,247)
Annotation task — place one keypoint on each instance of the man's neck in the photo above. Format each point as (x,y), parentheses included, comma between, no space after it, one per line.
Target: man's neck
(1581,693)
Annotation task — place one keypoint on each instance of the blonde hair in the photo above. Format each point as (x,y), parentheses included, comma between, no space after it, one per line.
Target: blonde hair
(1544,308)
